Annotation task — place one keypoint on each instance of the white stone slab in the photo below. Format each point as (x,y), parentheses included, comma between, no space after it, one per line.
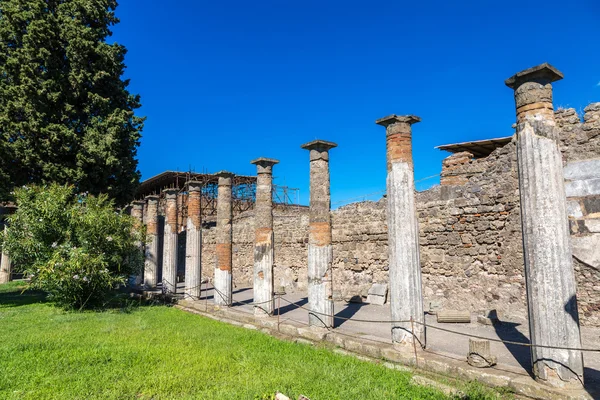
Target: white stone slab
(582,170)
(588,187)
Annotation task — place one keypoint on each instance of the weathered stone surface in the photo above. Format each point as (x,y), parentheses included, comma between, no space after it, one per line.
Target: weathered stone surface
(479,354)
(320,252)
(378,294)
(453,316)
(263,239)
(587,249)
(223,280)
(406,299)
(589,187)
(152,262)
(551,285)
(193,241)
(169,275)
(582,170)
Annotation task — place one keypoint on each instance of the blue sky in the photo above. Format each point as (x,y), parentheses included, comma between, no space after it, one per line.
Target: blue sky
(224,82)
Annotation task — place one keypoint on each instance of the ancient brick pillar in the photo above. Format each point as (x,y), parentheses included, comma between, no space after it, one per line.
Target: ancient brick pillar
(223,277)
(320,251)
(406,297)
(263,239)
(137,212)
(169,276)
(152,240)
(193,244)
(5,266)
(551,286)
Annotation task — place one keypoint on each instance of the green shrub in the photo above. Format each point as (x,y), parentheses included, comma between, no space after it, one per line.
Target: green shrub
(75,247)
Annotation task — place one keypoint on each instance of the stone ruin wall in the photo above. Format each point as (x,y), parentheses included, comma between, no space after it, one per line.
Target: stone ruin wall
(470,233)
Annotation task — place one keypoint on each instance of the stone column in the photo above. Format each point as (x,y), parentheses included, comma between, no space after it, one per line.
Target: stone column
(263,239)
(320,251)
(223,279)
(406,297)
(193,244)
(5,265)
(137,212)
(169,276)
(551,285)
(152,240)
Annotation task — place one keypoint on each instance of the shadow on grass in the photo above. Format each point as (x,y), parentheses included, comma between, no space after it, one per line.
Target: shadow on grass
(15,296)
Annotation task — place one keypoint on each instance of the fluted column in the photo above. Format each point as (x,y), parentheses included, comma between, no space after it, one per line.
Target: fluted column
(193,250)
(320,251)
(549,275)
(152,240)
(263,239)
(169,277)
(223,278)
(406,297)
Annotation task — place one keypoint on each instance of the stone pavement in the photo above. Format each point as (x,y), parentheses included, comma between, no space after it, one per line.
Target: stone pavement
(511,358)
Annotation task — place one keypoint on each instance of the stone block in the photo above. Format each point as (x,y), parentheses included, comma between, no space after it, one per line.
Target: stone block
(377,294)
(588,187)
(582,170)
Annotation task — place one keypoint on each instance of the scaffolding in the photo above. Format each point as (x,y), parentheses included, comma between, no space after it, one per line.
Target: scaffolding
(243,192)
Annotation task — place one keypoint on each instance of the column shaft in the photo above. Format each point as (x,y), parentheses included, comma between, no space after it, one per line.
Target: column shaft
(137,212)
(169,278)
(193,251)
(152,240)
(5,266)
(550,279)
(320,251)
(264,240)
(406,297)
(223,278)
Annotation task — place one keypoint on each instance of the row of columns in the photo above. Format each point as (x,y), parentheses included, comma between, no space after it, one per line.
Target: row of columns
(551,286)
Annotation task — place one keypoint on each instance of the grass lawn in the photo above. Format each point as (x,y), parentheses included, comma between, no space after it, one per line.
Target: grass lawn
(158,352)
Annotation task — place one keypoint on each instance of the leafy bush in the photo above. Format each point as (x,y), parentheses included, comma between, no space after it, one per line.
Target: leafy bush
(75,247)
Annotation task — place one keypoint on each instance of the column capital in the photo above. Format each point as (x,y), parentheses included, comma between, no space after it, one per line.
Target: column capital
(319,145)
(152,197)
(224,174)
(138,203)
(264,165)
(171,193)
(543,74)
(533,92)
(224,177)
(398,119)
(194,186)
